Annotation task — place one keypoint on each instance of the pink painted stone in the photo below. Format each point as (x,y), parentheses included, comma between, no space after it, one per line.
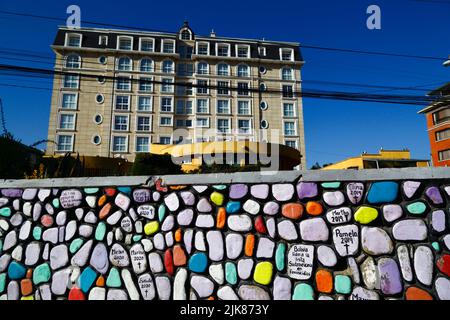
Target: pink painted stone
(238,191)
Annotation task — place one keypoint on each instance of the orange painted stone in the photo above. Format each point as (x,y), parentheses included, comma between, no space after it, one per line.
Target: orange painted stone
(177,187)
(179,257)
(221,218)
(29,274)
(105,211)
(76,294)
(249,245)
(168,262)
(314,208)
(324,281)
(292,211)
(110,192)
(211,298)
(178,235)
(414,293)
(26,287)
(101,201)
(100,282)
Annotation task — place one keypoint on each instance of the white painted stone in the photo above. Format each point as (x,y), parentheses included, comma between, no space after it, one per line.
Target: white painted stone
(118,235)
(146,211)
(138,258)
(334,199)
(300,262)
(147,287)
(239,223)
(215,244)
(129,285)
(71,198)
(234,244)
(59,257)
(60,282)
(346,239)
(71,228)
(405,262)
(392,212)
(360,293)
(147,244)
(442,286)
(265,248)
(179,290)
(282,288)
(217,273)
(410,230)
(122,201)
(79,212)
(90,217)
(4,226)
(85,230)
(163,287)
(29,194)
(118,256)
(45,292)
(271,227)
(327,256)
(339,216)
(17,253)
(355,192)
(37,210)
(91,201)
(354,269)
(114,218)
(13,290)
(4,261)
(271,208)
(199,241)
(99,258)
(370,274)
(61,218)
(43,194)
(204,221)
(159,242)
(81,257)
(283,192)
(251,206)
(156,263)
(202,286)
(287,230)
(376,241)
(187,240)
(168,223)
(184,218)
(172,202)
(169,239)
(314,229)
(251,292)
(423,265)
(227,293)
(245,268)
(25,230)
(410,188)
(127,225)
(116,294)
(97,294)
(27,207)
(32,253)
(10,240)
(200,189)
(46,252)
(438,221)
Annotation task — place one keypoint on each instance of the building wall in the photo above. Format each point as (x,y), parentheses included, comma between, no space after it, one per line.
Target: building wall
(437,146)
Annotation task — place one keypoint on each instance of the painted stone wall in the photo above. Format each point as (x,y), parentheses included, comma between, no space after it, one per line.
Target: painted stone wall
(301,241)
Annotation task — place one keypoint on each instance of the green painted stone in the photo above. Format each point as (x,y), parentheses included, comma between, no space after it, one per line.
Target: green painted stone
(331,185)
(161,212)
(91,190)
(217,198)
(100,231)
(55,203)
(416,208)
(75,245)
(42,274)
(220,187)
(279,256)
(366,215)
(113,280)
(1,245)
(303,291)
(137,238)
(5,212)
(436,246)
(230,273)
(37,233)
(2,282)
(343,284)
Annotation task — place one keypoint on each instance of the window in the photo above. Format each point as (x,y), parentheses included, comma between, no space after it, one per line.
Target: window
(144,104)
(168,46)
(143,123)
(262,87)
(101,79)
(146,65)
(291,143)
(168,66)
(96,140)
(262,51)
(185,35)
(123,84)
(243,51)
(223,69)
(184,123)
(185,69)
(64,143)
(125,43)
(288,91)
(119,144)
(185,52)
(184,107)
(243,70)
(122,103)
(99,98)
(223,107)
(165,121)
(223,125)
(244,126)
(202,123)
(203,48)
(287,54)
(164,140)
(263,105)
(146,84)
(223,87)
(103,41)
(146,44)
(184,89)
(142,144)
(223,50)
(202,68)
(444,155)
(443,135)
(288,110)
(244,107)
(167,85)
(103,59)
(202,106)
(262,70)
(441,116)
(243,89)
(166,104)
(121,123)
(67,121)
(264,124)
(124,64)
(69,101)
(98,119)
(202,86)
(289,128)
(71,81)
(73,61)
(287,74)
(73,40)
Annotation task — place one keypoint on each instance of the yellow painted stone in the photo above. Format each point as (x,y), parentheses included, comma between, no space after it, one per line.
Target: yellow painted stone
(151,228)
(27,298)
(366,215)
(217,198)
(263,273)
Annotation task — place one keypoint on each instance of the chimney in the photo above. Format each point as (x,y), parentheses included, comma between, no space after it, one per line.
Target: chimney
(212,34)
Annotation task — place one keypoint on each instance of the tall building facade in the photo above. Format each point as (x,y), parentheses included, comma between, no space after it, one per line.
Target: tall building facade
(117,93)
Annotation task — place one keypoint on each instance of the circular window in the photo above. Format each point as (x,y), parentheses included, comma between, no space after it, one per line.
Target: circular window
(262,70)
(262,87)
(263,105)
(98,119)
(264,124)
(96,140)
(103,60)
(100,98)
(101,79)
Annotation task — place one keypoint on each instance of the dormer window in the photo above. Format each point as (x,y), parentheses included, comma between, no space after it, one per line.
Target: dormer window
(73,40)
(103,41)
(223,50)
(125,43)
(186,35)
(242,51)
(287,54)
(262,51)
(203,48)
(168,46)
(146,44)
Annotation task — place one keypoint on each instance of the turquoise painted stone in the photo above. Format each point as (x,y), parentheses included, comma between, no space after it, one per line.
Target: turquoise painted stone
(126,190)
(161,212)
(87,279)
(113,280)
(75,245)
(233,207)
(230,273)
(55,203)
(382,192)
(343,284)
(37,233)
(303,291)
(198,263)
(42,274)
(5,212)
(279,256)
(331,185)
(16,271)
(100,231)
(2,282)
(91,190)
(220,187)
(416,208)
(137,238)
(1,245)
(436,246)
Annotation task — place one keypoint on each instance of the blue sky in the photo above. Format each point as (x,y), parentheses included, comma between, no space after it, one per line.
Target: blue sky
(333,129)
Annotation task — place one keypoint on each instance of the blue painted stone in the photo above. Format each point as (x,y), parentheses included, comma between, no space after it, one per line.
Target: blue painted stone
(233,207)
(87,279)
(2,282)
(16,271)
(382,192)
(198,262)
(126,190)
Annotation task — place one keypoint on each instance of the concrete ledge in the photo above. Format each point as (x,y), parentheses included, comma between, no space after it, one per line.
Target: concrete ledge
(240,177)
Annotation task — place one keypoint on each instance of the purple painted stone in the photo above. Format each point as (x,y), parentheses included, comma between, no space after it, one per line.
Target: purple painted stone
(390,278)
(307,190)
(12,193)
(438,221)
(142,195)
(260,191)
(238,191)
(410,188)
(434,195)
(188,198)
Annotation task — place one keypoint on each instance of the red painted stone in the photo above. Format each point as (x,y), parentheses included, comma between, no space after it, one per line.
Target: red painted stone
(76,294)
(443,264)
(47,220)
(260,226)
(159,186)
(110,192)
(179,257)
(168,262)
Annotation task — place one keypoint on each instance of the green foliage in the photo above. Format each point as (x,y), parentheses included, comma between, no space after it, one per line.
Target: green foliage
(153,164)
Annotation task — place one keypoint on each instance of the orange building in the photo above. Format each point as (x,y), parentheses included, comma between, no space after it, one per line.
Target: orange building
(438,123)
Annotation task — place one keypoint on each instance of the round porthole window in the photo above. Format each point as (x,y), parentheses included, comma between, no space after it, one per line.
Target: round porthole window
(103,60)
(262,87)
(98,119)
(262,70)
(100,98)
(96,140)
(264,124)
(263,105)
(101,79)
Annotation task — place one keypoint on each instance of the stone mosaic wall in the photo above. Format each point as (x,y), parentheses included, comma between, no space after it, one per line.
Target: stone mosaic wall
(301,241)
